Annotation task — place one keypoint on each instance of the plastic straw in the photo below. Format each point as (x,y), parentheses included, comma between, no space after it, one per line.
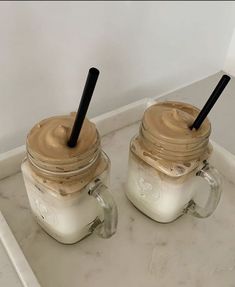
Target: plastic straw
(210,102)
(83,106)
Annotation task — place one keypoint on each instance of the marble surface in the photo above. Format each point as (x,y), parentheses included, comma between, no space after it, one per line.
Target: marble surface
(187,252)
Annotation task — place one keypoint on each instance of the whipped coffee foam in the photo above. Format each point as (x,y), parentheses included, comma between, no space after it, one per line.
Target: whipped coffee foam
(48,139)
(166,141)
(171,121)
(49,152)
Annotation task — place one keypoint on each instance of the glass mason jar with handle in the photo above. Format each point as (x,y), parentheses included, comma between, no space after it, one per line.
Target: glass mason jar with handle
(68,187)
(165,160)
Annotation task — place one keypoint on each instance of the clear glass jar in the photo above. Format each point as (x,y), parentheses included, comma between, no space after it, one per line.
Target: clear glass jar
(162,173)
(70,200)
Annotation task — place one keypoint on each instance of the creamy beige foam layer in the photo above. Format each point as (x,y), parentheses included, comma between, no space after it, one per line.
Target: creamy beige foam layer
(167,143)
(171,121)
(57,167)
(48,139)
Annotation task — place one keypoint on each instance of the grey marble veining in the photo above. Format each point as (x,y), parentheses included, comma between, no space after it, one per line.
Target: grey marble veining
(188,252)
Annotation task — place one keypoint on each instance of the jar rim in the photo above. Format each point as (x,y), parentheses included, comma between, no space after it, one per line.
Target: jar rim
(163,146)
(70,166)
(49,172)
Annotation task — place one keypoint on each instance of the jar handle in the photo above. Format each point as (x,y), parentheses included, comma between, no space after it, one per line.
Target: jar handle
(108,226)
(212,176)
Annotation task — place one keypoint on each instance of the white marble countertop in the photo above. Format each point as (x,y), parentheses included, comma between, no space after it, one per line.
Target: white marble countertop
(188,252)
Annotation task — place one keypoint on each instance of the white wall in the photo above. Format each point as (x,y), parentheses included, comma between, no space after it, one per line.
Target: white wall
(141,48)
(229,65)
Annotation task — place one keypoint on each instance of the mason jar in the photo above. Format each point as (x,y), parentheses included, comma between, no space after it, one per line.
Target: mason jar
(166,159)
(68,195)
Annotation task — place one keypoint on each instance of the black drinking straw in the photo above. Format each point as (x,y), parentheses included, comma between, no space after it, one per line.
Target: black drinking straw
(83,106)
(210,102)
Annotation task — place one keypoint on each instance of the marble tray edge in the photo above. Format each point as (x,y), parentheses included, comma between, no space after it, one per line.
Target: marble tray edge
(224,161)
(16,256)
